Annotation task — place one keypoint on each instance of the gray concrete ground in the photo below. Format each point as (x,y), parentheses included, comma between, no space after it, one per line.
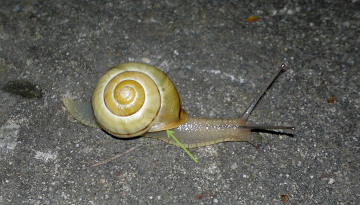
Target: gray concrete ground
(218,62)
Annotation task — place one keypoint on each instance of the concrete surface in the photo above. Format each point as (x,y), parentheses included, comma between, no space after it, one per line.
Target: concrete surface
(218,61)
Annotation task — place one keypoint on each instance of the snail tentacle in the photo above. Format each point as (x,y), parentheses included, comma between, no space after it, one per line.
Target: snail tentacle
(252,105)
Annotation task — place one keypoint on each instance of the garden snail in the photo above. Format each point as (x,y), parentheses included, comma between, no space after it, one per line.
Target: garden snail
(137,99)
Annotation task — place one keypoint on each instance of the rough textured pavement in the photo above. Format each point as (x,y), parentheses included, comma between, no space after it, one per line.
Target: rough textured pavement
(218,61)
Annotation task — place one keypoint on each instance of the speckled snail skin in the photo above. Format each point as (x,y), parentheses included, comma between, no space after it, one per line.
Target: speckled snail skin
(137,99)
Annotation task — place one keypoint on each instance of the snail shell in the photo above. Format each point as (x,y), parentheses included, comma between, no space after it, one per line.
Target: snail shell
(131,99)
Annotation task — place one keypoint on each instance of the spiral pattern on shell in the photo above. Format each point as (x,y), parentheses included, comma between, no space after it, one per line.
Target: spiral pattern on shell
(133,98)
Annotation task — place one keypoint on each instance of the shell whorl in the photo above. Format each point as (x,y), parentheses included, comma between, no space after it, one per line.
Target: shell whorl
(133,98)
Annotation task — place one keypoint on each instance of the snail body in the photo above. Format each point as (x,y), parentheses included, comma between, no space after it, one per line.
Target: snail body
(137,99)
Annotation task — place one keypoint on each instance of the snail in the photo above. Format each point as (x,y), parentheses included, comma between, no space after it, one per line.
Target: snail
(136,99)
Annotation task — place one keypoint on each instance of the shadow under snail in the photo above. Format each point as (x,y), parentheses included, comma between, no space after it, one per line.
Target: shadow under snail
(137,99)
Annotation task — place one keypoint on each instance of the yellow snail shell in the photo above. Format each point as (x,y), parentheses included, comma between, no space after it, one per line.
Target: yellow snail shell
(133,98)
